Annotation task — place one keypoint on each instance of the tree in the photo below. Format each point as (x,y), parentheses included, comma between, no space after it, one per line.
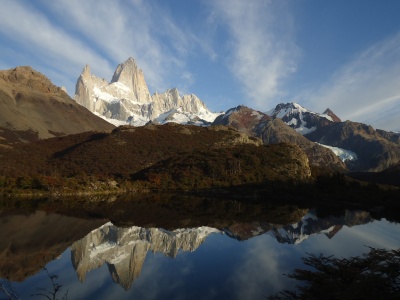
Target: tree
(374,275)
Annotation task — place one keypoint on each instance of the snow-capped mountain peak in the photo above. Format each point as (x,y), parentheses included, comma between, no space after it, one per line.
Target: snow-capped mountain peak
(127,100)
(301,119)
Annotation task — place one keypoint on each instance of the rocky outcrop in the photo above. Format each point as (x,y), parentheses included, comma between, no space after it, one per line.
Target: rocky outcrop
(393,137)
(273,130)
(331,114)
(32,108)
(296,166)
(126,99)
(124,249)
(130,76)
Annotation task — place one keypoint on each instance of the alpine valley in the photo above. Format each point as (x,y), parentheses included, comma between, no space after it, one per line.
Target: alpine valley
(52,143)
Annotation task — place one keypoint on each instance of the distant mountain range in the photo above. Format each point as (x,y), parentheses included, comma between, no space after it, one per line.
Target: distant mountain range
(361,147)
(32,108)
(327,141)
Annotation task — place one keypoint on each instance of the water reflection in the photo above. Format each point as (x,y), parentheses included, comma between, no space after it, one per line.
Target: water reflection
(124,249)
(233,258)
(29,240)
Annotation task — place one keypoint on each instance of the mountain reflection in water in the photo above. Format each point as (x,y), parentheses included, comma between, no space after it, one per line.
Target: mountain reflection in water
(236,258)
(125,249)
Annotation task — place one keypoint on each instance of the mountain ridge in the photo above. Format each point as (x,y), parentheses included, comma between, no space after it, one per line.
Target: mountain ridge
(274,130)
(126,99)
(366,149)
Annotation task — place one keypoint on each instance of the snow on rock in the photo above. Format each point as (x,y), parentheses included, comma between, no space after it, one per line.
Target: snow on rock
(343,154)
(127,100)
(305,130)
(295,116)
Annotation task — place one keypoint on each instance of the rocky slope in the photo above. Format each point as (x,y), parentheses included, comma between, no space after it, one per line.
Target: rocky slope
(375,150)
(127,100)
(274,130)
(362,147)
(32,108)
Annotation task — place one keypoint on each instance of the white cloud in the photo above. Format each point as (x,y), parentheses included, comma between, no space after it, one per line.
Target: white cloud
(65,35)
(263,255)
(48,45)
(262,51)
(117,31)
(367,89)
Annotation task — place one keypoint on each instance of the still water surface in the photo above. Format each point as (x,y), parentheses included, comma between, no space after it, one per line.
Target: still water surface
(244,260)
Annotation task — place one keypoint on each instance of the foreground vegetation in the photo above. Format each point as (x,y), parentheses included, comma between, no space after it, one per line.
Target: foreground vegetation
(169,157)
(374,275)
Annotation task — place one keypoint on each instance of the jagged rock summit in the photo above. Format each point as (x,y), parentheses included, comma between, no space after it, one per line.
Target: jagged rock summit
(132,77)
(333,116)
(127,100)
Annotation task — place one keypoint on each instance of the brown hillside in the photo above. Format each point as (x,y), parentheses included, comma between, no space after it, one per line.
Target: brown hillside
(238,165)
(223,156)
(32,108)
(123,152)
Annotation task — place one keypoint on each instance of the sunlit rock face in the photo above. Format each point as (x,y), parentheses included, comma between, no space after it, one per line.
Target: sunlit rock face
(124,250)
(127,100)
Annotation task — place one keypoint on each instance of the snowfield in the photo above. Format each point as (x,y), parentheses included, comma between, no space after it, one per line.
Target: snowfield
(343,154)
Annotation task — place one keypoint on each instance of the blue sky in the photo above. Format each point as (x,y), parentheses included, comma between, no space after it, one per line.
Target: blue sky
(342,54)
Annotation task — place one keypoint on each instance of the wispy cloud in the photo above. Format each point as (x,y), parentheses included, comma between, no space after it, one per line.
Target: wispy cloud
(50,45)
(123,29)
(262,53)
(366,89)
(66,35)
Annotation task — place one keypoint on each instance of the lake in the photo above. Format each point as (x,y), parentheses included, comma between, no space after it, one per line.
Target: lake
(175,249)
